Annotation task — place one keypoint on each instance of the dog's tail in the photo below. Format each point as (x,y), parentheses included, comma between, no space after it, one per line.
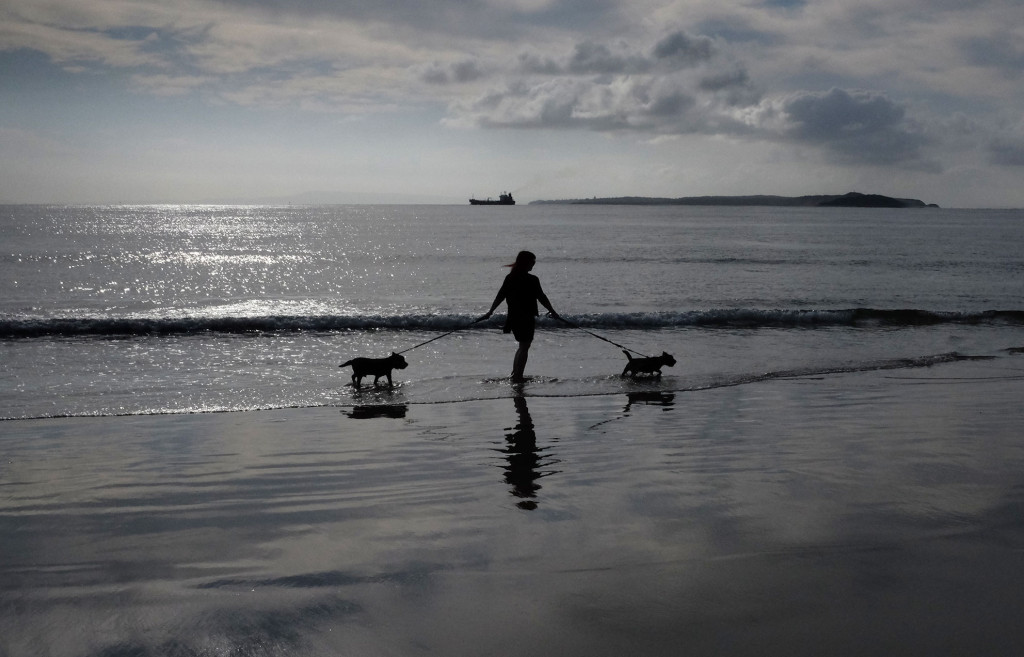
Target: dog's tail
(347,362)
(628,356)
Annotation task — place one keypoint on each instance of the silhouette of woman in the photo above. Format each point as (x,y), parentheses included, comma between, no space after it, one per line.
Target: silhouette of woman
(521,291)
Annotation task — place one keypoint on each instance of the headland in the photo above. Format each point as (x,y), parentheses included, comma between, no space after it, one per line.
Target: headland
(849,200)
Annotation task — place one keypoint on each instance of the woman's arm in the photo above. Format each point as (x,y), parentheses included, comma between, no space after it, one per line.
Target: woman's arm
(497,302)
(543,298)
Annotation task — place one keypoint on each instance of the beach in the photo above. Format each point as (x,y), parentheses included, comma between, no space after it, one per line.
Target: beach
(856,513)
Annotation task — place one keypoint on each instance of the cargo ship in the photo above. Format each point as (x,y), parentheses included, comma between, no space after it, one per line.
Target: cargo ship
(503,199)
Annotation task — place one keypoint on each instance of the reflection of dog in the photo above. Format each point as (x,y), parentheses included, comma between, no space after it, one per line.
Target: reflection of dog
(650,398)
(393,411)
(651,365)
(377,367)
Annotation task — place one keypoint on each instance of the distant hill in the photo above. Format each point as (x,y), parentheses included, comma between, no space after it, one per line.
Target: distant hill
(850,200)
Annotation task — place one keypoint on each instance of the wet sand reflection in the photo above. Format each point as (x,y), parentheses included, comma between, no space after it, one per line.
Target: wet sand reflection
(525,462)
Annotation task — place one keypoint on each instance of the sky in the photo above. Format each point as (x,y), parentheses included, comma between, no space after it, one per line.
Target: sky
(409,101)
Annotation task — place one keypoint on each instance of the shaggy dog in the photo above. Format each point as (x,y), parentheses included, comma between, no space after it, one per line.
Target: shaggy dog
(651,365)
(377,367)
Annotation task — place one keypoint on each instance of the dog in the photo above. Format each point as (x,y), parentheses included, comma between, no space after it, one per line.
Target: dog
(377,367)
(650,365)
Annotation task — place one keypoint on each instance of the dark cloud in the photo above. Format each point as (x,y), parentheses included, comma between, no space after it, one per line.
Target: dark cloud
(728,79)
(736,30)
(463,71)
(668,105)
(1007,151)
(587,58)
(854,126)
(841,114)
(677,51)
(731,86)
(599,59)
(1002,51)
(533,64)
(683,50)
(784,4)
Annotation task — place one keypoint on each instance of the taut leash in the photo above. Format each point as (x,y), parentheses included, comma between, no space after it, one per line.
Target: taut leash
(632,351)
(560,318)
(417,346)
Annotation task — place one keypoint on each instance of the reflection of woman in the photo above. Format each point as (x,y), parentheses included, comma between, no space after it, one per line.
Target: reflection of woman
(521,291)
(523,458)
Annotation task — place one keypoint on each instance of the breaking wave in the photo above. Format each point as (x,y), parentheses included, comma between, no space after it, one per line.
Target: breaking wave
(15,328)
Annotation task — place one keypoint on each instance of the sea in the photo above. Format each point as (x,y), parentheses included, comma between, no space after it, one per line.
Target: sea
(166,309)
(832,465)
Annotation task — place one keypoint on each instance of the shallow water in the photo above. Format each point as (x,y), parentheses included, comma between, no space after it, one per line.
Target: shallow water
(168,309)
(846,514)
(213,372)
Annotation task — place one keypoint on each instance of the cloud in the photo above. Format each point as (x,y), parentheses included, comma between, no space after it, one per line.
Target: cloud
(853,127)
(730,79)
(465,70)
(74,47)
(1006,148)
(683,50)
(1002,51)
(622,103)
(673,86)
(1007,152)
(686,84)
(246,55)
(162,84)
(677,51)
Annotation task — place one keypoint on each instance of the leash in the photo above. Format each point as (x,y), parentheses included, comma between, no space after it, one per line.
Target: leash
(560,318)
(632,351)
(439,337)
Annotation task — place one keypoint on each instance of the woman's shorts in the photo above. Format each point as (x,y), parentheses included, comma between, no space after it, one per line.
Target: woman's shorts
(522,330)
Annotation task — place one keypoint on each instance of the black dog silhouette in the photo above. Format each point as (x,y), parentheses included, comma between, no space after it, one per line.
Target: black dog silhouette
(650,365)
(377,367)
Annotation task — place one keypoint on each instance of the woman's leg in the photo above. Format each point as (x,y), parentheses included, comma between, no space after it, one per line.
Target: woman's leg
(519,362)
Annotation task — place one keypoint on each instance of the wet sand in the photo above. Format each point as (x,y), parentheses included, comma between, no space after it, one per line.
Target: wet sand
(855,514)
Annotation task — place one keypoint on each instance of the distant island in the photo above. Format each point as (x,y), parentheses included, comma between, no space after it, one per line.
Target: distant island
(850,200)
